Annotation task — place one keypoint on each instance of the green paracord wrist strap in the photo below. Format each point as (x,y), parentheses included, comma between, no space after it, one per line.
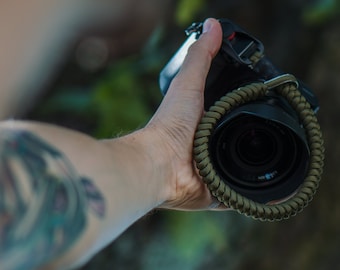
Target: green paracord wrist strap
(286,86)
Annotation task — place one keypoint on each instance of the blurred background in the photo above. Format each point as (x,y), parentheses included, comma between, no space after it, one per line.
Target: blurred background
(109,87)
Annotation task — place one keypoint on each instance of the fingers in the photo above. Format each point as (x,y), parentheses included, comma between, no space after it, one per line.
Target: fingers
(196,65)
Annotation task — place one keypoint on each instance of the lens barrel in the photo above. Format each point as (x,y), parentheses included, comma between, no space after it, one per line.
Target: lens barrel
(260,151)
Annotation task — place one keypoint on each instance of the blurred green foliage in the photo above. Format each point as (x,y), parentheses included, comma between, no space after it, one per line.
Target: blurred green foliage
(321,11)
(187,11)
(205,229)
(119,102)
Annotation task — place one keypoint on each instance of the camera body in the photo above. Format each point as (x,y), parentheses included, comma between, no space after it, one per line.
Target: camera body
(258,149)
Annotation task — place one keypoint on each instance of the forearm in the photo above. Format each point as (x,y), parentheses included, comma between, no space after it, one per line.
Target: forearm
(132,182)
(119,170)
(64,191)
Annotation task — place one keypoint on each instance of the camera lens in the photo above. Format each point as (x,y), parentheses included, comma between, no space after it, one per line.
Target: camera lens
(254,151)
(256,147)
(257,156)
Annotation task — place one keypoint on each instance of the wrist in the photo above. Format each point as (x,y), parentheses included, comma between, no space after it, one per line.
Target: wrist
(144,164)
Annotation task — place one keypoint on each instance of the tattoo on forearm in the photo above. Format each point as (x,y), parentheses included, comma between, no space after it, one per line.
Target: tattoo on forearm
(42,201)
(94,197)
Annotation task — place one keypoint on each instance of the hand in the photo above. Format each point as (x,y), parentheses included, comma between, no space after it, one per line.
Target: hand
(176,120)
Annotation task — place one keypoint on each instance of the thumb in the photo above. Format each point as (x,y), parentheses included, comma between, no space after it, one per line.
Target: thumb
(196,65)
(183,102)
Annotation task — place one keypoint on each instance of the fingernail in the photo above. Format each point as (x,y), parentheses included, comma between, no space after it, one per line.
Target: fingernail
(207,25)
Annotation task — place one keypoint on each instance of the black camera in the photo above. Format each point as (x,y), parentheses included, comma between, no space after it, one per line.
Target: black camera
(259,149)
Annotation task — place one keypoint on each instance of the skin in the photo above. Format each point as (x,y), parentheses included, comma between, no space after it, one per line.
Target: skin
(65,195)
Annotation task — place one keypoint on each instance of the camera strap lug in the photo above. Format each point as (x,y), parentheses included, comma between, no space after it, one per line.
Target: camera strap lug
(195,27)
(281,80)
(238,44)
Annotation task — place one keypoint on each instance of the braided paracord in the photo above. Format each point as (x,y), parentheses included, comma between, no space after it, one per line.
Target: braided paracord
(228,196)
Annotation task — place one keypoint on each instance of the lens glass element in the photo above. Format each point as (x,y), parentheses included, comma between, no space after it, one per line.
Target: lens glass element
(251,151)
(256,147)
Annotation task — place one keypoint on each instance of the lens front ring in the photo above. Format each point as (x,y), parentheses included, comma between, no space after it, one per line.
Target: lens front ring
(227,195)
